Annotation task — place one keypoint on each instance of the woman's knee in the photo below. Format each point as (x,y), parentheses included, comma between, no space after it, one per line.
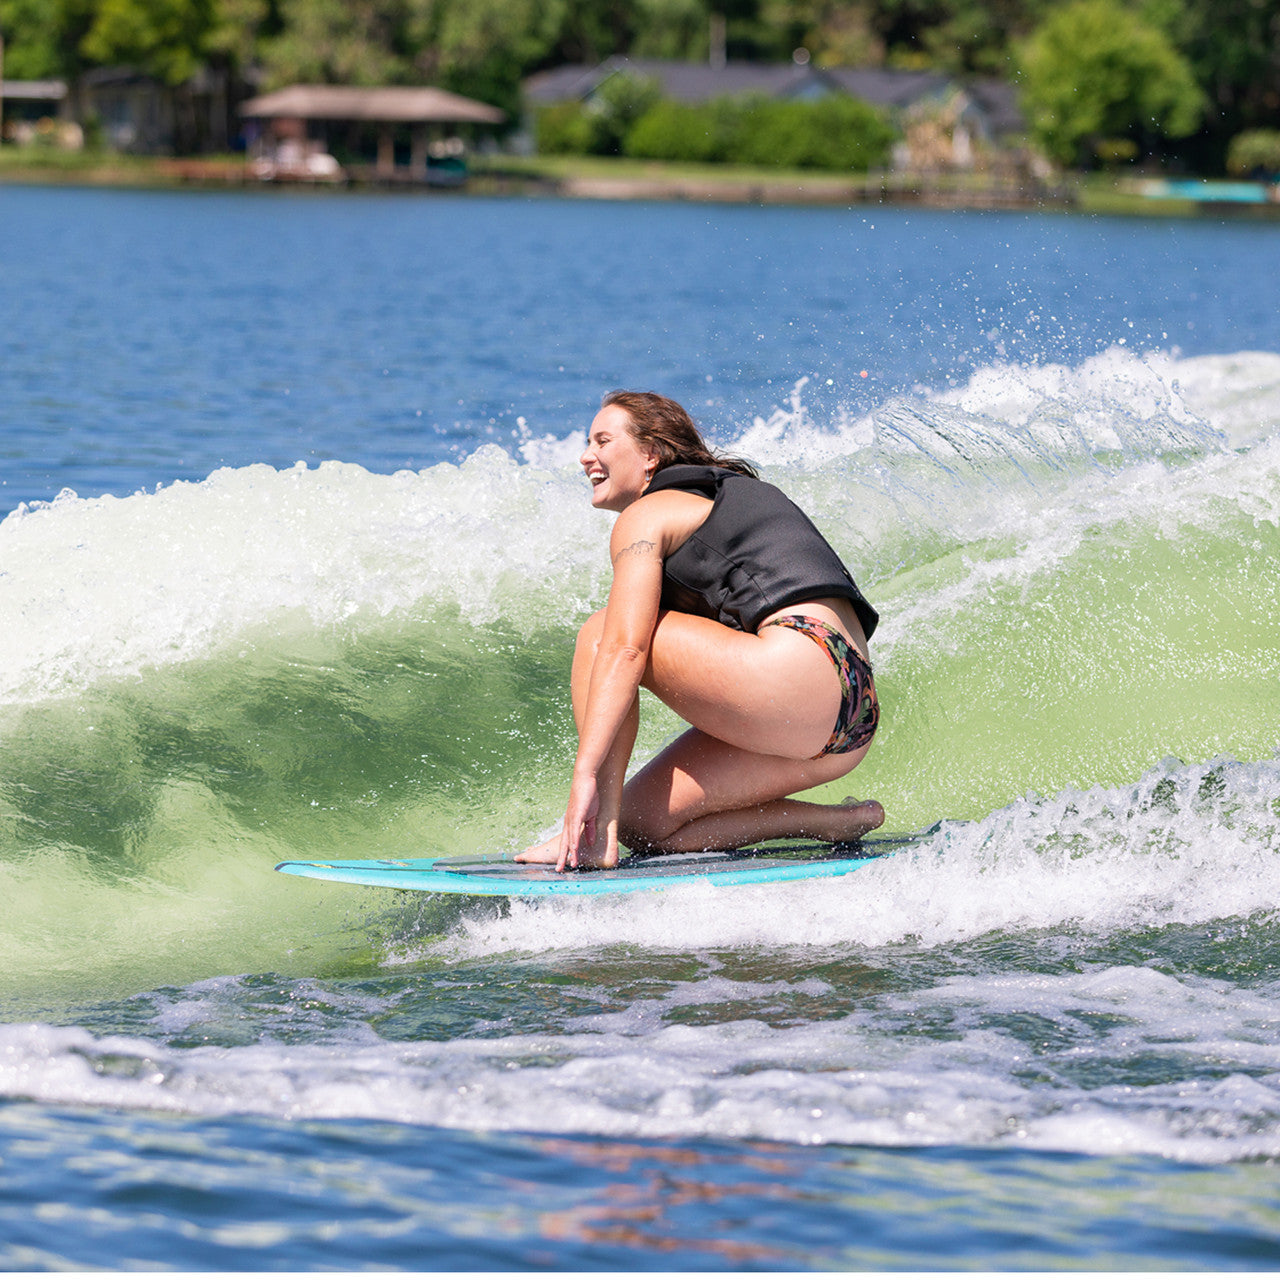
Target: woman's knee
(590,634)
(646,819)
(639,832)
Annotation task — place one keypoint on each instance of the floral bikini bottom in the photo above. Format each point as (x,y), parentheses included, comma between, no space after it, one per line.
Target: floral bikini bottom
(859,712)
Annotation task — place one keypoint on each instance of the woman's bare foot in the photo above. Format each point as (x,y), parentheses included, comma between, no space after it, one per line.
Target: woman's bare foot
(599,857)
(851,819)
(547,851)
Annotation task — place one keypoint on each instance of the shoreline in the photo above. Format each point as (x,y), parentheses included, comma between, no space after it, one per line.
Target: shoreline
(602,179)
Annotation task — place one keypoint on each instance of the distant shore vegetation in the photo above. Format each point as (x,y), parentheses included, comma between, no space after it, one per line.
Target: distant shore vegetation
(1103,82)
(631,118)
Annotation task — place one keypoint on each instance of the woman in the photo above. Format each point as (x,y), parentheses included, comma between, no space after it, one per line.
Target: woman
(730,606)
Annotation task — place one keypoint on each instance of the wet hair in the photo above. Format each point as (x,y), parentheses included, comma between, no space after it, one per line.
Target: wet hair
(666,427)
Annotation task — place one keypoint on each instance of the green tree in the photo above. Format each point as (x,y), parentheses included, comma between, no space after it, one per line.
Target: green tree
(1234,49)
(1094,71)
(1256,151)
(952,35)
(485,48)
(170,39)
(677,131)
(43,38)
(671,29)
(238,28)
(565,129)
(835,132)
(165,38)
(360,42)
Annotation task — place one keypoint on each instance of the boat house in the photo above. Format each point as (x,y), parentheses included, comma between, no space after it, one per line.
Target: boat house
(408,131)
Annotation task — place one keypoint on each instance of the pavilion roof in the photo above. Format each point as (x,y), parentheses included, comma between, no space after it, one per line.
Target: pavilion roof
(390,105)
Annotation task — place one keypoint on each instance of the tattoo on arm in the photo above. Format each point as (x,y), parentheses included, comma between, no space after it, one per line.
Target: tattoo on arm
(642,546)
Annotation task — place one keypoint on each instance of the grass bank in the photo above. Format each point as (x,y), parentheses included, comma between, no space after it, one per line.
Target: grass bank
(603,177)
(49,165)
(620,178)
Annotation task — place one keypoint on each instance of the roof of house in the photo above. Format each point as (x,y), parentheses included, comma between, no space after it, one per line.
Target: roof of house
(888,86)
(393,105)
(699,82)
(34,90)
(682,81)
(999,100)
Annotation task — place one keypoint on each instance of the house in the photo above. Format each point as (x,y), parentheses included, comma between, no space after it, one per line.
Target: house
(136,112)
(952,118)
(130,110)
(30,109)
(688,82)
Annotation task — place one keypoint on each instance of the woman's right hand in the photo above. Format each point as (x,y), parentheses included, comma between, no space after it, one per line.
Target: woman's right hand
(579,818)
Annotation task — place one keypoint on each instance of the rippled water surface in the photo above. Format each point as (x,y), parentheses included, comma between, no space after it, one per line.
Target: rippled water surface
(294,554)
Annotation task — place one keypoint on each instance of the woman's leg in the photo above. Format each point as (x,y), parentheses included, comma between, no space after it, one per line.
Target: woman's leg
(762,706)
(714,787)
(701,793)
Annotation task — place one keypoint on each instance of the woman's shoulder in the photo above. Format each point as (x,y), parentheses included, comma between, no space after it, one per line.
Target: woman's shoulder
(668,518)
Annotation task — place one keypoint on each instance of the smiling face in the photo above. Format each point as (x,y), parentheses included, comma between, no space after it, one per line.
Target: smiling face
(618,466)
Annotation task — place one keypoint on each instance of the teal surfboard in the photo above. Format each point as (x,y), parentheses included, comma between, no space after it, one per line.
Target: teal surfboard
(502,877)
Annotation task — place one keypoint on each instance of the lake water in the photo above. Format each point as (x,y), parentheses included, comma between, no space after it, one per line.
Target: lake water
(293,554)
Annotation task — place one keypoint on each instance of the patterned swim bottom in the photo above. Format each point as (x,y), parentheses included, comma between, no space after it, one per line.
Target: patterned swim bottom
(859,712)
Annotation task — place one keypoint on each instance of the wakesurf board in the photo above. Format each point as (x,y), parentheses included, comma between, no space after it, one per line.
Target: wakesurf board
(501,876)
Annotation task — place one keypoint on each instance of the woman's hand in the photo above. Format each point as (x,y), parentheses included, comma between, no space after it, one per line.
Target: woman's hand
(579,818)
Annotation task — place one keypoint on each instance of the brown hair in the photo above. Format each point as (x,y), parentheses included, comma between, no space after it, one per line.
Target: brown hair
(666,428)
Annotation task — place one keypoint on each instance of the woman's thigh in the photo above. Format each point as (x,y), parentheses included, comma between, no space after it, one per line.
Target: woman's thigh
(777,692)
(696,775)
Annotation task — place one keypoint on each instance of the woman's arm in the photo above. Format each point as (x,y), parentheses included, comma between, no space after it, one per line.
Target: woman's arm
(642,537)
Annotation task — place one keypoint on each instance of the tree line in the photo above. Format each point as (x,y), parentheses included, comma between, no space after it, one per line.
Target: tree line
(1178,78)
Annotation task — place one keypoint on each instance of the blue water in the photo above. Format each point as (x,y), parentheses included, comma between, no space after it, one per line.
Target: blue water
(293,554)
(153,338)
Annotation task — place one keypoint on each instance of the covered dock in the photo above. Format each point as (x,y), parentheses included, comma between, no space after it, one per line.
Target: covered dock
(303,123)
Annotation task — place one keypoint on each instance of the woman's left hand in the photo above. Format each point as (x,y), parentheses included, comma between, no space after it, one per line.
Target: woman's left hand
(579,819)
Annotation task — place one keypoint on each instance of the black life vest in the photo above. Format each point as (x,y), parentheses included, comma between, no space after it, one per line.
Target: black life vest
(755,553)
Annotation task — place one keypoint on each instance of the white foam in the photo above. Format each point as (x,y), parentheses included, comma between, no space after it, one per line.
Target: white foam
(1145,403)
(1101,860)
(879,1075)
(1114,1058)
(106,587)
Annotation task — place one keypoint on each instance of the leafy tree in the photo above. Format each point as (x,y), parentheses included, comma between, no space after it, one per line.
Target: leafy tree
(43,38)
(359,42)
(163,37)
(1256,151)
(975,36)
(1234,50)
(1094,71)
(677,131)
(237,29)
(598,127)
(565,129)
(170,39)
(671,29)
(484,48)
(953,35)
(835,132)
(590,31)
(619,102)
(837,34)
